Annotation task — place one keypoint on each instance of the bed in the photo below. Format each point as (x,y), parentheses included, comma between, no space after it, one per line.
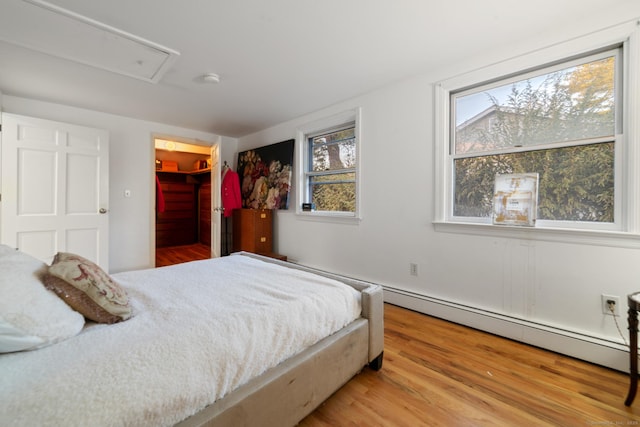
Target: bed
(239,340)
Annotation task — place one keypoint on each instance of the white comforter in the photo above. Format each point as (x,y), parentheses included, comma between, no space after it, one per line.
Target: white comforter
(199,331)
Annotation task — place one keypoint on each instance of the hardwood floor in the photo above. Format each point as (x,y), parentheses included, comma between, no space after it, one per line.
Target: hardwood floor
(179,254)
(437,373)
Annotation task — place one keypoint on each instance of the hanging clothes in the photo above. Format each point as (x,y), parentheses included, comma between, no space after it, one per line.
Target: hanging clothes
(230,191)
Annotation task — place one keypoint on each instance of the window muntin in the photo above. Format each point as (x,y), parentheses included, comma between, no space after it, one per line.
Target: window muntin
(331,169)
(559,121)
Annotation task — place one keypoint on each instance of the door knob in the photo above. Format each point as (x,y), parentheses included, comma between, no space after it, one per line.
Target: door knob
(103,211)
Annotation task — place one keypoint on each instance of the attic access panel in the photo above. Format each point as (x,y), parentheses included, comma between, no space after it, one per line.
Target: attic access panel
(50,29)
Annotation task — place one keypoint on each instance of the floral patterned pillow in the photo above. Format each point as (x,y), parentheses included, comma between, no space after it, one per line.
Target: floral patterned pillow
(86,288)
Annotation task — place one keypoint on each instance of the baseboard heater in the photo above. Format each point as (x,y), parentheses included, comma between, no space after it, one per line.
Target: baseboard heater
(591,349)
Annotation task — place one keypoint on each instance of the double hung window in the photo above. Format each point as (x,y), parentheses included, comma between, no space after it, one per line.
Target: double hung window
(562,121)
(331,166)
(331,174)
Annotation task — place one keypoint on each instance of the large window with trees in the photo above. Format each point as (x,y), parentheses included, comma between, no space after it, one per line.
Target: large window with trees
(562,121)
(569,112)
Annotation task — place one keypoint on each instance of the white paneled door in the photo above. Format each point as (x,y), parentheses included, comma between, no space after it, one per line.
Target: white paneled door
(54,188)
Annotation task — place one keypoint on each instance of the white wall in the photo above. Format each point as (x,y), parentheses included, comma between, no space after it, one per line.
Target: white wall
(132,166)
(544,292)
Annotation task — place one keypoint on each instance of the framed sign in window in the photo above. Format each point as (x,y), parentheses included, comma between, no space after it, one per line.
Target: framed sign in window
(515,199)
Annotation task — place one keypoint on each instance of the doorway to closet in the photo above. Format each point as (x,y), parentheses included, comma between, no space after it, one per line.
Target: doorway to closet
(187,220)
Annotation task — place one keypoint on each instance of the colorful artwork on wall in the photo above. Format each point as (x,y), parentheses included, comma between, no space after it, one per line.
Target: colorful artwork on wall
(265,176)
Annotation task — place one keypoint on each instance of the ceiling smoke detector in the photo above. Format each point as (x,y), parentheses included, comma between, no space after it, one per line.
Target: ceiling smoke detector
(211,78)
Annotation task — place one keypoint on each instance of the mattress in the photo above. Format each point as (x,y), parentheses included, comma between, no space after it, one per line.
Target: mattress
(199,331)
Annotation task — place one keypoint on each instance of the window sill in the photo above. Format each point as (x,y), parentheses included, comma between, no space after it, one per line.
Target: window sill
(617,239)
(336,217)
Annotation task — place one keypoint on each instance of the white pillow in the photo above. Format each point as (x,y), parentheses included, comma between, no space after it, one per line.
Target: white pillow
(30,316)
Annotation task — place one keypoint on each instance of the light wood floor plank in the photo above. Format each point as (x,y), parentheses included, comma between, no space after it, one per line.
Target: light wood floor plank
(179,254)
(437,373)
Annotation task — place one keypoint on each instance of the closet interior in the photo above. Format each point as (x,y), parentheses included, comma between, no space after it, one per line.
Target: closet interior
(183,194)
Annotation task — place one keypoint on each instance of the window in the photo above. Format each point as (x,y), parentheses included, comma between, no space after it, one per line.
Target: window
(558,121)
(330,166)
(331,176)
(567,112)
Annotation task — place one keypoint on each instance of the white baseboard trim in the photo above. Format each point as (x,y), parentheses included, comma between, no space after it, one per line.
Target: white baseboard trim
(595,350)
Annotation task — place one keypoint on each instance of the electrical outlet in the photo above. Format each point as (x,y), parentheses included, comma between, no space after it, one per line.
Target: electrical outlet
(605,304)
(413,269)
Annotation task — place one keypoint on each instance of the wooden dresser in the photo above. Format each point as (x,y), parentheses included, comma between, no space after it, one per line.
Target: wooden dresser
(253,232)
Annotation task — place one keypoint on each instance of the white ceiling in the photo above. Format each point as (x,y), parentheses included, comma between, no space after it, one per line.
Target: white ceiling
(277,59)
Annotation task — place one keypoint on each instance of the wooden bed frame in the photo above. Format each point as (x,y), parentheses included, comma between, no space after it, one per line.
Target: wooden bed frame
(287,393)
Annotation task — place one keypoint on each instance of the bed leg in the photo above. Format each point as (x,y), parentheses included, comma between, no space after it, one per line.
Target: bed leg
(376,364)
